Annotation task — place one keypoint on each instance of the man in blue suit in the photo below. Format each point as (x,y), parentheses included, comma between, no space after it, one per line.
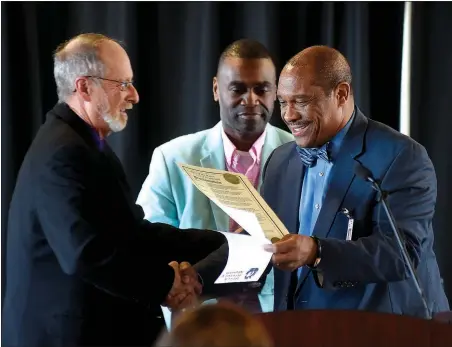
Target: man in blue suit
(312,187)
(245,88)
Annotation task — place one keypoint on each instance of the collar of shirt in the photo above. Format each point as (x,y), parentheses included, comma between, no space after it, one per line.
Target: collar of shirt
(231,152)
(336,141)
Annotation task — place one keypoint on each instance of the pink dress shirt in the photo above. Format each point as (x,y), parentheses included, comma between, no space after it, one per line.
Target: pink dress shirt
(246,163)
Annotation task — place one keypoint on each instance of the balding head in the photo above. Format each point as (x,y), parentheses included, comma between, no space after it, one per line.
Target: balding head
(82,42)
(220,325)
(79,56)
(326,66)
(94,76)
(315,96)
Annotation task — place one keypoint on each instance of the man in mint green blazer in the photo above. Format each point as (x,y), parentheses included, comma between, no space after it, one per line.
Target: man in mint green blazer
(245,88)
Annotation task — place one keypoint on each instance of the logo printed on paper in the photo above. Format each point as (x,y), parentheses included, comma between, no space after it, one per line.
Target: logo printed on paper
(251,272)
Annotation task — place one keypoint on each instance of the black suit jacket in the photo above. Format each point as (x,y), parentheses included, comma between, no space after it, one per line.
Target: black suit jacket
(83,266)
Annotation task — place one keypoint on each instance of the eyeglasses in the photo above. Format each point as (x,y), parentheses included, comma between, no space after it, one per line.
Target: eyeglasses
(123,84)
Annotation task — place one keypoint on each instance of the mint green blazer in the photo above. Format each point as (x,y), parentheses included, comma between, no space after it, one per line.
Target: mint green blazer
(168,196)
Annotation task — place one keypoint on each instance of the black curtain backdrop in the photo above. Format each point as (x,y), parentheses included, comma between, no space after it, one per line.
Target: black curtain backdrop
(174,48)
(431,121)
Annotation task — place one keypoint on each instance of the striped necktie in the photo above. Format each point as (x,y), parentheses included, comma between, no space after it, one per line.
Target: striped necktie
(309,156)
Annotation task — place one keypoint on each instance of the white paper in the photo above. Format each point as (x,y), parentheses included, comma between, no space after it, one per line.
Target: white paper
(247,220)
(247,258)
(236,196)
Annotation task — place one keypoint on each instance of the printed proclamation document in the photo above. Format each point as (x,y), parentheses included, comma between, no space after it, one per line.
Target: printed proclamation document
(236,196)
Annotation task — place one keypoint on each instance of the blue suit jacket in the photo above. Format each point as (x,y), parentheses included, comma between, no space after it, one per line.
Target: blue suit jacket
(168,195)
(367,273)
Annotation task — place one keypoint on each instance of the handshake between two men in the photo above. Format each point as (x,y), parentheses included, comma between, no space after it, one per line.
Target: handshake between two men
(186,287)
(290,253)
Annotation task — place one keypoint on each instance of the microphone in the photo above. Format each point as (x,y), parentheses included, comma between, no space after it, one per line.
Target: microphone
(366,175)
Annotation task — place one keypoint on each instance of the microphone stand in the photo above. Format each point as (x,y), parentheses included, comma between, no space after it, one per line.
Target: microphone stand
(401,245)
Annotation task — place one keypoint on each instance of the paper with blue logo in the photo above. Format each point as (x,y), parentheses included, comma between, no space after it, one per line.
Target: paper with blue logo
(247,258)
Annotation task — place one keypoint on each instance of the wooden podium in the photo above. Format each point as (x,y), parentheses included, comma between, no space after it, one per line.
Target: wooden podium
(325,328)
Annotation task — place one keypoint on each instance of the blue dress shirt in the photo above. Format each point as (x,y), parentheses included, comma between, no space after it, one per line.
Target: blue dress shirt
(315,184)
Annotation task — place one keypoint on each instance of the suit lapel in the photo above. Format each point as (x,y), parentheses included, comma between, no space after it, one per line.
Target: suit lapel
(213,158)
(292,193)
(271,142)
(289,202)
(341,177)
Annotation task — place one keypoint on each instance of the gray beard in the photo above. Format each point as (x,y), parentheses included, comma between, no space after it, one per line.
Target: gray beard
(115,125)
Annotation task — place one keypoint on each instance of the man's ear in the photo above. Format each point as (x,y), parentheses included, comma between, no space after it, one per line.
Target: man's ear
(343,91)
(83,88)
(215,89)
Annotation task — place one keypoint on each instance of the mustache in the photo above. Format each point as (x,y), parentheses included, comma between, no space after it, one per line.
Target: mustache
(299,123)
(254,109)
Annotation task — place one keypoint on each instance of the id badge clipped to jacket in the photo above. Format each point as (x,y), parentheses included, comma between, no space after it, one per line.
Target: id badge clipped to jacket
(351,221)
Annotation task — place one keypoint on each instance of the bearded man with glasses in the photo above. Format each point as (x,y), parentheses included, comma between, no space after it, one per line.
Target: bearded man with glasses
(84,268)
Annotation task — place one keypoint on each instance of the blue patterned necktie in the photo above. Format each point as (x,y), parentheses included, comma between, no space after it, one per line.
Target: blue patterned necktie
(309,156)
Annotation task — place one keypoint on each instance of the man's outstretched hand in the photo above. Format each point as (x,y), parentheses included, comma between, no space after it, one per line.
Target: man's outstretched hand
(186,287)
(293,251)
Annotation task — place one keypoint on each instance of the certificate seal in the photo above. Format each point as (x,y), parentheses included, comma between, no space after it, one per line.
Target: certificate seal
(275,239)
(231,178)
